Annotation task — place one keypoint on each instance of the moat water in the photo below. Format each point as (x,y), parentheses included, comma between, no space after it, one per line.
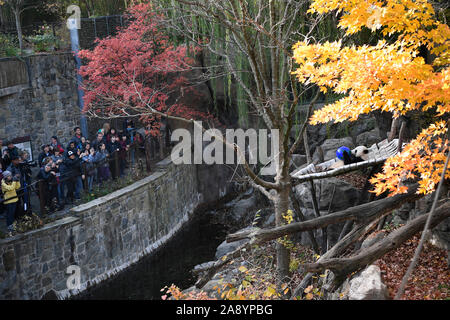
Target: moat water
(194,243)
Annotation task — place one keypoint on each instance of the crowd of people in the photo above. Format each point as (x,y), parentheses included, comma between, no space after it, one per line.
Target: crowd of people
(64,171)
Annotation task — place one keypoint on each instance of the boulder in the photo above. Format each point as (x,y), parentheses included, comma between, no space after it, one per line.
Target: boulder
(264,218)
(330,146)
(298,160)
(241,208)
(225,247)
(346,194)
(368,285)
(333,230)
(368,138)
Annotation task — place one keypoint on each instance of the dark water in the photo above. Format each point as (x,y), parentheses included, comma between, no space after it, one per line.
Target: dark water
(195,243)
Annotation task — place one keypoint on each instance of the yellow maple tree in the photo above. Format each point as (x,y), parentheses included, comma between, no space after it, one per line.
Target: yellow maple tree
(389,76)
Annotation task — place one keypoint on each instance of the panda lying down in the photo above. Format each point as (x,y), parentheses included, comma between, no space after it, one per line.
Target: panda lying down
(346,156)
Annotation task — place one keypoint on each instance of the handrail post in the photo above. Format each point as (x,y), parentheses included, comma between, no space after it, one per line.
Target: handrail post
(116,164)
(161,146)
(42,196)
(85,182)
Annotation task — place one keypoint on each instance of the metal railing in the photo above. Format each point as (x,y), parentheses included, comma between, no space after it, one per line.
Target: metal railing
(41,187)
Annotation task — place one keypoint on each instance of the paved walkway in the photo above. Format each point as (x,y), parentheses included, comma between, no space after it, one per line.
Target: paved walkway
(35,204)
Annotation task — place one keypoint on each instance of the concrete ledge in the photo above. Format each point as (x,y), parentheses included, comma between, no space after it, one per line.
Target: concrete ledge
(11,90)
(64,222)
(118,193)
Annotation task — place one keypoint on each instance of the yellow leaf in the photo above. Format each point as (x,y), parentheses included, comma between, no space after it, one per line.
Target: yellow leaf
(270,291)
(242,269)
(308,289)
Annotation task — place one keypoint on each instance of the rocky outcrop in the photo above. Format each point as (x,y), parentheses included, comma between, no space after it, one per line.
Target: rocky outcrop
(368,138)
(368,285)
(330,146)
(346,196)
(227,247)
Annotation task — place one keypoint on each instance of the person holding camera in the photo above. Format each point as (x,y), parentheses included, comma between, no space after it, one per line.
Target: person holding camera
(70,173)
(10,185)
(50,191)
(10,152)
(44,154)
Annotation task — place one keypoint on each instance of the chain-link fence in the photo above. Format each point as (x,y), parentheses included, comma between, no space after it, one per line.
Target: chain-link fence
(50,37)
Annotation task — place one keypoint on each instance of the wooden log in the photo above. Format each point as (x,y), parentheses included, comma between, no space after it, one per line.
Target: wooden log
(360,214)
(344,266)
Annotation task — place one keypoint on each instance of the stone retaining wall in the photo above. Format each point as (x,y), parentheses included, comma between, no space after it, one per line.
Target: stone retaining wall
(38,98)
(103,236)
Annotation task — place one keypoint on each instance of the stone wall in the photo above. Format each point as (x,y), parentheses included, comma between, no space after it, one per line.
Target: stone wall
(103,236)
(38,98)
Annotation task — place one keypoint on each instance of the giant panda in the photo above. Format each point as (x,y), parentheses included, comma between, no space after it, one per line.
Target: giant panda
(360,153)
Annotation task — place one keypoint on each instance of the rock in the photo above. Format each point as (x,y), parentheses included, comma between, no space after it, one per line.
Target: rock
(330,146)
(368,285)
(368,138)
(341,293)
(50,295)
(372,239)
(346,195)
(365,122)
(440,237)
(298,160)
(241,208)
(226,247)
(265,219)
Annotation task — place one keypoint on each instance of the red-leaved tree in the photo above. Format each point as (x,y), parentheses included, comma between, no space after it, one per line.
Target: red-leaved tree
(138,72)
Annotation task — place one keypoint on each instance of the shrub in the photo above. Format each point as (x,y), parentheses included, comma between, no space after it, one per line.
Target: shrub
(8,46)
(43,42)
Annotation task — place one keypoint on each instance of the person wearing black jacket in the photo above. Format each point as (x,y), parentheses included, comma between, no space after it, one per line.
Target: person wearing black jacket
(71,170)
(114,148)
(44,154)
(50,191)
(11,152)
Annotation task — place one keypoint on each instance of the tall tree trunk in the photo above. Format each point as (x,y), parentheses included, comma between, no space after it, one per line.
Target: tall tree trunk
(19,27)
(283,254)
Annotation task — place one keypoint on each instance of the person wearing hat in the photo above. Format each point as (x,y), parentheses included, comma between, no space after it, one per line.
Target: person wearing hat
(9,187)
(70,174)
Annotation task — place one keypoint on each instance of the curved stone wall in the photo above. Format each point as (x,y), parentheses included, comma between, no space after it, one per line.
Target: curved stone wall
(103,236)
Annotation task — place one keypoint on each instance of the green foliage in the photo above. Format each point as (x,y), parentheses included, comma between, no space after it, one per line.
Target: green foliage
(44,42)
(8,46)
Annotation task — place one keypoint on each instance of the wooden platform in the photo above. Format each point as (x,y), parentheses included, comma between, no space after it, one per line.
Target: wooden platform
(378,153)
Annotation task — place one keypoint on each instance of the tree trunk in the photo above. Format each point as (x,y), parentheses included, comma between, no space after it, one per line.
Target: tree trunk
(19,28)
(283,254)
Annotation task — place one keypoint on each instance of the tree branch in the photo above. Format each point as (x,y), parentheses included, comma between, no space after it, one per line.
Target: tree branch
(360,214)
